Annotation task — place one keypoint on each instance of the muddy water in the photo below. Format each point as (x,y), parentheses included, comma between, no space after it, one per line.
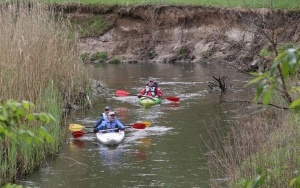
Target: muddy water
(169,153)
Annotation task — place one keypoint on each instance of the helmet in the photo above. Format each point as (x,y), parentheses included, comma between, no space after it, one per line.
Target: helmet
(107,108)
(151,79)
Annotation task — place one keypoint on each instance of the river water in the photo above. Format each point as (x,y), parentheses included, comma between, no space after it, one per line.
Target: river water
(170,152)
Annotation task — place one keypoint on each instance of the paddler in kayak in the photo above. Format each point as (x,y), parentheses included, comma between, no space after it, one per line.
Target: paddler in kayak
(103,116)
(151,89)
(110,123)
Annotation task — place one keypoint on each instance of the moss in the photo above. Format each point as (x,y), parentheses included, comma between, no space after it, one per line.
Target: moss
(89,26)
(84,57)
(114,60)
(99,57)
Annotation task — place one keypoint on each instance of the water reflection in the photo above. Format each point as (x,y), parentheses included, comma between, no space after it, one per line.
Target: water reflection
(76,144)
(140,154)
(111,157)
(122,112)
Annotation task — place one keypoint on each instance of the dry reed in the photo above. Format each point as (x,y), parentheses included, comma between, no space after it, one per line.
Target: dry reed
(36,48)
(267,140)
(39,63)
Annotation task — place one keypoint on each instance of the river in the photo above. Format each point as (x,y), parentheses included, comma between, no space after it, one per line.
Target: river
(170,152)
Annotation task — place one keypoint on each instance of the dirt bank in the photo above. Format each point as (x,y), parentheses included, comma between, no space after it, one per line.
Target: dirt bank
(189,33)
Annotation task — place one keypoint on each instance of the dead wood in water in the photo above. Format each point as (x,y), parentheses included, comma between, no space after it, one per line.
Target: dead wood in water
(221,83)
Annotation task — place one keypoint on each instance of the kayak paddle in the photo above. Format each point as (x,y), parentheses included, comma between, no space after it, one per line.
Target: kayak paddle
(122,93)
(78,134)
(137,126)
(77,127)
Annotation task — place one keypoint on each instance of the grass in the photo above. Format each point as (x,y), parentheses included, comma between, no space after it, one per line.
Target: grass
(39,63)
(90,26)
(268,140)
(287,4)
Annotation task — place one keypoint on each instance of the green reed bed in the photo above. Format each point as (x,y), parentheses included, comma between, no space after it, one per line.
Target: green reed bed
(218,3)
(39,63)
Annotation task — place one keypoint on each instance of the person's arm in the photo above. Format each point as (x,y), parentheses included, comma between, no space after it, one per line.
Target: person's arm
(120,125)
(98,122)
(100,127)
(143,91)
(158,92)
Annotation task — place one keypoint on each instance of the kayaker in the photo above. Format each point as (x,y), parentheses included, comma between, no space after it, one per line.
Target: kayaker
(103,116)
(110,123)
(151,89)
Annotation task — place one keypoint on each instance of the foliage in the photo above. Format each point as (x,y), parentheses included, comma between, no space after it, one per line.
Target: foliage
(100,57)
(90,26)
(183,52)
(256,182)
(14,114)
(115,60)
(284,67)
(9,185)
(295,182)
(260,179)
(84,57)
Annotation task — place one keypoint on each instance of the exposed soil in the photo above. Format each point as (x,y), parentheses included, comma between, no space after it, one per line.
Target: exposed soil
(188,33)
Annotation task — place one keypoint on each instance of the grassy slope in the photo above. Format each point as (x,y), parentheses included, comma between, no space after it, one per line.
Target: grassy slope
(289,4)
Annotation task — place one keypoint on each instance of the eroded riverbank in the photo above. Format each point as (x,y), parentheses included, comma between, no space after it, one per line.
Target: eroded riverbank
(188,33)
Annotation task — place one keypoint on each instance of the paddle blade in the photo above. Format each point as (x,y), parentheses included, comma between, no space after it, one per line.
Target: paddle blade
(122,93)
(173,99)
(147,123)
(75,127)
(78,134)
(138,126)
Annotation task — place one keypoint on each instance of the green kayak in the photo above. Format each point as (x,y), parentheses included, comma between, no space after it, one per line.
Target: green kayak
(149,101)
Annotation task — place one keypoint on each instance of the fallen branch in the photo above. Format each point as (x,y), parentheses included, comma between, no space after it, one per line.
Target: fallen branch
(250,102)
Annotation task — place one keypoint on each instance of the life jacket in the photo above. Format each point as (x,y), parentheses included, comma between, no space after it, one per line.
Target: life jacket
(105,117)
(110,125)
(152,89)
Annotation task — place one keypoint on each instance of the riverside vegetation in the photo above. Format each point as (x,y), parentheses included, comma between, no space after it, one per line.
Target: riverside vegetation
(39,63)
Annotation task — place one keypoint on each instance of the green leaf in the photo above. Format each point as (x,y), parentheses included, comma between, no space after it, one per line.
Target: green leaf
(44,134)
(274,67)
(3,114)
(30,117)
(42,117)
(248,184)
(260,89)
(26,105)
(292,182)
(267,96)
(297,108)
(255,80)
(295,103)
(285,69)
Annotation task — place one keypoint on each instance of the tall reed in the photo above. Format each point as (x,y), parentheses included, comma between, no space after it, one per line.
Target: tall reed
(39,63)
(268,140)
(36,48)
